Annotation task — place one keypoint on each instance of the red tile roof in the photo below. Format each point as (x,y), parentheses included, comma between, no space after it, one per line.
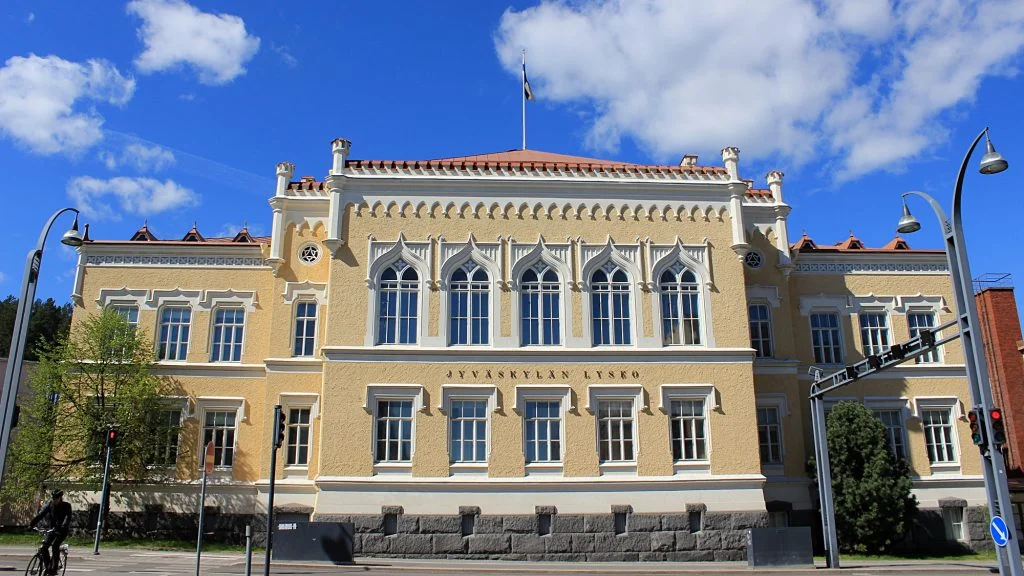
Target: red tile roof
(853,245)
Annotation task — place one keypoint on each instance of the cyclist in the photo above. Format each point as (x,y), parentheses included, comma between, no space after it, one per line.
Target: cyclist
(58,513)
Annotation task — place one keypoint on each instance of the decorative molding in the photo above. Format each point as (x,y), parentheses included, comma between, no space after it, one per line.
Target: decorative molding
(769,294)
(121,296)
(921,303)
(707,392)
(824,302)
(694,256)
(455,254)
(302,290)
(632,391)
(487,392)
(166,261)
(773,399)
(301,400)
(400,391)
(382,254)
(626,256)
(160,298)
(557,256)
(562,393)
(954,403)
(872,303)
(229,297)
(538,355)
(869,268)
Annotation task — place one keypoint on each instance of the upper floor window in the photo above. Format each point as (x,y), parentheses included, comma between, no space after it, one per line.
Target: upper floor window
(166,425)
(469,305)
(399,303)
(893,421)
(298,437)
(874,333)
(760,330)
(615,430)
(467,428)
(228,326)
(305,328)
(393,434)
(680,311)
(610,306)
(689,436)
(219,428)
(175,322)
(825,342)
(540,307)
(919,321)
(129,313)
(769,434)
(938,435)
(543,422)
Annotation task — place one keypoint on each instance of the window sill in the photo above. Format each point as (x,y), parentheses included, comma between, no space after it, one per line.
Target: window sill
(544,468)
(398,468)
(467,469)
(943,468)
(775,469)
(296,472)
(618,468)
(690,466)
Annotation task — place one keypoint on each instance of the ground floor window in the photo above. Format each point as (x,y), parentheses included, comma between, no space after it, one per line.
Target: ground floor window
(953,518)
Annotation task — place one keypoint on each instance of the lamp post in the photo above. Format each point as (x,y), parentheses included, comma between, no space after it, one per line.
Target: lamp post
(12,376)
(993,465)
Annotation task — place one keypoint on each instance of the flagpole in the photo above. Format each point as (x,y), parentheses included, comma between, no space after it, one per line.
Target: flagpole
(523,90)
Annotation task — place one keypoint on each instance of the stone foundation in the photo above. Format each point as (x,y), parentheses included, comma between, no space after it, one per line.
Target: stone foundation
(619,536)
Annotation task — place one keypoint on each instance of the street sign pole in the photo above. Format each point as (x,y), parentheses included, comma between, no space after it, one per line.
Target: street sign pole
(275,431)
(104,496)
(207,470)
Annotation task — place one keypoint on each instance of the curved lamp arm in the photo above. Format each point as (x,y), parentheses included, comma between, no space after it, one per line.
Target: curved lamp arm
(49,224)
(960,182)
(935,206)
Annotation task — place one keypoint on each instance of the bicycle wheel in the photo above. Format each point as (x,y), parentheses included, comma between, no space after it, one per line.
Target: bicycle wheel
(63,562)
(35,566)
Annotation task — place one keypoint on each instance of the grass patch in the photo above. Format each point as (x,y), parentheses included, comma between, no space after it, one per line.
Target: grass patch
(86,542)
(981,556)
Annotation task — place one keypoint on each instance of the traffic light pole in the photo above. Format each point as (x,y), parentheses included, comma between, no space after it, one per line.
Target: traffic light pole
(105,495)
(277,432)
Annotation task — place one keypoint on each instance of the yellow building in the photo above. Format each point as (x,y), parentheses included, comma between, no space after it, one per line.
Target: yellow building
(526,354)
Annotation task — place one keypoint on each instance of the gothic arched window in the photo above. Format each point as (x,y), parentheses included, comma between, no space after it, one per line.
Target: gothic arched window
(609,306)
(539,307)
(469,305)
(399,304)
(680,306)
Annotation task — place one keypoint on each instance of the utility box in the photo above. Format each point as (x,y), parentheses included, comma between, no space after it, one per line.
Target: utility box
(779,547)
(313,541)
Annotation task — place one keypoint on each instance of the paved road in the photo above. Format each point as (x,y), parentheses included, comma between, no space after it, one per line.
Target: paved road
(140,562)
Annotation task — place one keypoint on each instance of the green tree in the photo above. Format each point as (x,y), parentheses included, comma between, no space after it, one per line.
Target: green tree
(97,378)
(49,322)
(871,487)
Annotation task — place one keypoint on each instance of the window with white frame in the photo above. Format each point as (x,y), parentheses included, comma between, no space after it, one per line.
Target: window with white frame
(398,304)
(918,321)
(219,428)
(760,321)
(893,421)
(175,323)
(953,519)
(609,305)
(688,430)
(228,329)
(540,306)
(543,423)
(825,340)
(298,436)
(469,305)
(129,312)
(769,434)
(305,328)
(680,306)
(393,430)
(615,430)
(874,333)
(166,428)
(938,435)
(467,430)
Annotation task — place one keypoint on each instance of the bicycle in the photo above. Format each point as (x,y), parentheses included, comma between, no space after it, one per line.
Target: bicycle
(36,567)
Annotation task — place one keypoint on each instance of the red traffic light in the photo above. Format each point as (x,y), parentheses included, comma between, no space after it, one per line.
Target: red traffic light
(996,414)
(972,416)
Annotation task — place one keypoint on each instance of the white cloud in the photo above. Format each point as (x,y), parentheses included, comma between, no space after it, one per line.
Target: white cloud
(43,101)
(857,83)
(141,157)
(176,33)
(96,198)
(3,278)
(30,18)
(187,97)
(285,55)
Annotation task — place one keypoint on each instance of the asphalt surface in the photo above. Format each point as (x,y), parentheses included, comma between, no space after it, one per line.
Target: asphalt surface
(152,563)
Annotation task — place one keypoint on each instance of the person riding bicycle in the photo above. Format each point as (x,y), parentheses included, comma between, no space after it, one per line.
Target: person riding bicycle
(58,513)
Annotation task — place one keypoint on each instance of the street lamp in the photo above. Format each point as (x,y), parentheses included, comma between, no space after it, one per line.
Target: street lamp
(993,466)
(12,376)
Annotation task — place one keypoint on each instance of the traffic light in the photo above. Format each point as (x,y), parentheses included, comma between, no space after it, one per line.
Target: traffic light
(977,424)
(112,435)
(998,428)
(282,426)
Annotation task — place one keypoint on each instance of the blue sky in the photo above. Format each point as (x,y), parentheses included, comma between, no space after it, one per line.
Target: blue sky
(177,111)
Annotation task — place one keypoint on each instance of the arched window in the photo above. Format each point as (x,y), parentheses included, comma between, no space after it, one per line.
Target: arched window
(399,299)
(680,308)
(609,305)
(469,305)
(539,307)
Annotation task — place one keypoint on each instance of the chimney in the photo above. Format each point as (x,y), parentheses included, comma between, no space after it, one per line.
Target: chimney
(284,176)
(688,160)
(775,184)
(340,148)
(731,159)
(1000,332)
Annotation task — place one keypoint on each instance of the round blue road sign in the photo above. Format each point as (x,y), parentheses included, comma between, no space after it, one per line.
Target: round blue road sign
(1000,535)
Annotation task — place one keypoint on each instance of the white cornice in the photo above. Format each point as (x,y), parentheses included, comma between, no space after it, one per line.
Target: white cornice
(714,480)
(537,355)
(871,263)
(143,254)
